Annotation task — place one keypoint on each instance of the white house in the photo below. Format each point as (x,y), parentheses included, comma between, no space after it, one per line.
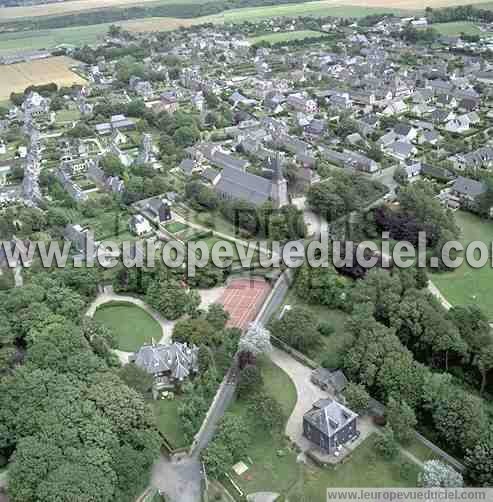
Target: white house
(138,225)
(395,108)
(458,125)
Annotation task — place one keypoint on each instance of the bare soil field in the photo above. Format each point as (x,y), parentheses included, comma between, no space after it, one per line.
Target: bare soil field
(16,77)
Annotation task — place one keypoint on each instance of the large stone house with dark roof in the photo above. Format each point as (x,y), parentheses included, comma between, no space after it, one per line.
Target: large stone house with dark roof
(329,425)
(168,364)
(465,192)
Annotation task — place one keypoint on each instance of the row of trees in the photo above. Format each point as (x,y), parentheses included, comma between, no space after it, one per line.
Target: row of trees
(217,347)
(261,411)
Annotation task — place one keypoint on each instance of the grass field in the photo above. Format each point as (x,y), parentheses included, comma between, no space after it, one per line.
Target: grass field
(365,468)
(452,29)
(269,471)
(467,285)
(274,466)
(16,77)
(330,347)
(168,422)
(286,36)
(83,35)
(91,34)
(132,325)
(77,6)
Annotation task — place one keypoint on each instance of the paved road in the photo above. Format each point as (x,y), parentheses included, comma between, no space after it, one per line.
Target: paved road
(215,414)
(180,480)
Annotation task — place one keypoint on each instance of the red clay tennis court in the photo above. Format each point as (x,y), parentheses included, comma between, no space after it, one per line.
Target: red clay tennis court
(243,299)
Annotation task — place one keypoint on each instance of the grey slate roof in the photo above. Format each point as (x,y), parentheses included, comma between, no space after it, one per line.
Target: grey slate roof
(468,187)
(243,185)
(177,358)
(329,416)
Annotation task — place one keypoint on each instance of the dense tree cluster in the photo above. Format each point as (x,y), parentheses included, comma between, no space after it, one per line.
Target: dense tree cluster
(77,431)
(342,193)
(398,333)
(419,211)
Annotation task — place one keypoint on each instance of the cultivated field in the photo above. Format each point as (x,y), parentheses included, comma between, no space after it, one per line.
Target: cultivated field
(314,8)
(75,6)
(16,77)
(286,36)
(80,35)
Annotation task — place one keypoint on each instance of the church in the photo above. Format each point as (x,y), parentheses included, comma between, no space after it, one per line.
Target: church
(235,183)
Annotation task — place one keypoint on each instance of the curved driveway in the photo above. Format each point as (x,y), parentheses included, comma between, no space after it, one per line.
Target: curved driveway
(307,393)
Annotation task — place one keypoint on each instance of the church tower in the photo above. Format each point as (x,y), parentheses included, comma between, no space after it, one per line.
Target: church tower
(279,188)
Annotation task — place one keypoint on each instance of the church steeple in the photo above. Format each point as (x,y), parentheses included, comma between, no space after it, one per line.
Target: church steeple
(279,189)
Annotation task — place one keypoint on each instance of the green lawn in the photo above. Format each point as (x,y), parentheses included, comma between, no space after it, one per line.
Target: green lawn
(419,450)
(47,39)
(466,285)
(275,468)
(168,422)
(269,471)
(67,115)
(365,468)
(286,36)
(456,28)
(316,9)
(132,325)
(331,346)
(105,223)
(175,227)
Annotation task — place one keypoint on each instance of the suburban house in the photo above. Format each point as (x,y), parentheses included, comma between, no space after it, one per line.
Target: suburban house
(169,364)
(462,123)
(350,160)
(329,379)
(465,192)
(480,158)
(401,150)
(77,235)
(116,122)
(139,226)
(329,425)
(301,103)
(159,209)
(168,102)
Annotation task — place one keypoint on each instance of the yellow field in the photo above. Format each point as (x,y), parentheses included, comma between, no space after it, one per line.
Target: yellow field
(16,77)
